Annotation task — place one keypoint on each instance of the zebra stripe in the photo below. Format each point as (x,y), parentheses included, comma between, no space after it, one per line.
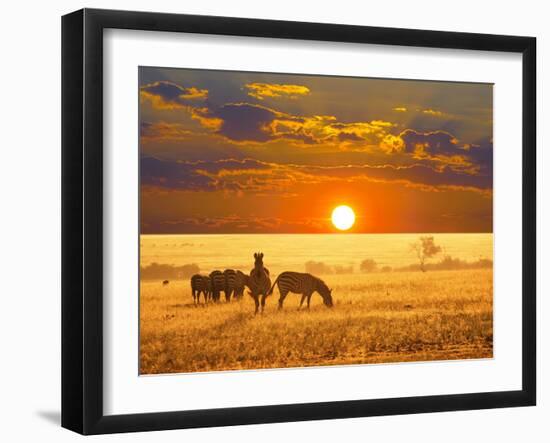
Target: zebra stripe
(259,284)
(200,284)
(241,280)
(230,279)
(218,284)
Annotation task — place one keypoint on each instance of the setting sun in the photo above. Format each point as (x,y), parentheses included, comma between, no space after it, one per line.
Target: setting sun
(343,217)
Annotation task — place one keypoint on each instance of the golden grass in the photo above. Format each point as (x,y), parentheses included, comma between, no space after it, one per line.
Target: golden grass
(382,317)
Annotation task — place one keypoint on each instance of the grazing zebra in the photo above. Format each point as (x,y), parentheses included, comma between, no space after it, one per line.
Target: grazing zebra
(305,284)
(259,281)
(165,282)
(230,280)
(200,284)
(218,284)
(241,280)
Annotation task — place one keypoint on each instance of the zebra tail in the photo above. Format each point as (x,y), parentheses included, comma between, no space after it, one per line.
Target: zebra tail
(273,286)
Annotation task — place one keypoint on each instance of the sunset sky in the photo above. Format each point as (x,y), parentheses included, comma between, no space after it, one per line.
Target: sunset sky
(240,152)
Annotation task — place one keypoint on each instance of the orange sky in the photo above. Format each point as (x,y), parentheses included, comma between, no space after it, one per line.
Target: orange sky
(237,152)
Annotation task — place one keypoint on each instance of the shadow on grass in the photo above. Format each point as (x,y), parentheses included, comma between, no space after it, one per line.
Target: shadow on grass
(185,306)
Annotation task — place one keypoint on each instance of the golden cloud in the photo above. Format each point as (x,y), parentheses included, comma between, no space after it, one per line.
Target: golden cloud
(163,131)
(392,143)
(433,112)
(400,109)
(274,90)
(205,118)
(382,123)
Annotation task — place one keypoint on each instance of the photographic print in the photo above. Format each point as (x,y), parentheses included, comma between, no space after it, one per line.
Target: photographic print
(292,220)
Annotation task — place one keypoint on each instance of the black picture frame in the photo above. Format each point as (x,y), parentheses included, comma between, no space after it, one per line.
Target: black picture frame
(82,219)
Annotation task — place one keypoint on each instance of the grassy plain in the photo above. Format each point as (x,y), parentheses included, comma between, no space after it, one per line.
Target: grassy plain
(377,318)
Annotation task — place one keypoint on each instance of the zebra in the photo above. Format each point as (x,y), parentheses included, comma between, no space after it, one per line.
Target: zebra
(241,280)
(200,284)
(230,277)
(259,281)
(165,282)
(300,283)
(208,284)
(218,284)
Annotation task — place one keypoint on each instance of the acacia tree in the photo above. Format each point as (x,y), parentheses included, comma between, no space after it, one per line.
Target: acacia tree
(425,248)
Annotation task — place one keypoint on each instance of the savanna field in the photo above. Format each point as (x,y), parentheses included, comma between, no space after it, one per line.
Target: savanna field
(386,312)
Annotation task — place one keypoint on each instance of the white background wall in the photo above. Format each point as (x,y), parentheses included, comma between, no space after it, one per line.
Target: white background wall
(30,218)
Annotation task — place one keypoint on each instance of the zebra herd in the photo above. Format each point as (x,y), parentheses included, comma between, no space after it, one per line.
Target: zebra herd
(232,283)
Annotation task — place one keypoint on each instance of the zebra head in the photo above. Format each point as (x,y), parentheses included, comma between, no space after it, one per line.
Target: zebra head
(325,293)
(259,258)
(258,262)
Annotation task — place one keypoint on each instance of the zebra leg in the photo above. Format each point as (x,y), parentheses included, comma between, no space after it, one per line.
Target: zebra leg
(264,296)
(228,295)
(256,302)
(309,299)
(194,299)
(302,300)
(237,294)
(282,296)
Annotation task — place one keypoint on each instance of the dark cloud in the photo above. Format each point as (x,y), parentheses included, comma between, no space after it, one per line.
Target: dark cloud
(245,122)
(424,122)
(192,176)
(482,155)
(145,128)
(443,147)
(433,143)
(254,176)
(234,223)
(171,174)
(168,95)
(416,174)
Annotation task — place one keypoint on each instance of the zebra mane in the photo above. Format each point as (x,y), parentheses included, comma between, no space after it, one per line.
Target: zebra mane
(320,283)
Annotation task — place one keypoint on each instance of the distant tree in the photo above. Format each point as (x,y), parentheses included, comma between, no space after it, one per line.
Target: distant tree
(368,265)
(386,269)
(318,267)
(339,269)
(425,249)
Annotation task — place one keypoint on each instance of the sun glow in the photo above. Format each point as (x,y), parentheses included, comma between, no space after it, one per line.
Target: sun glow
(343,217)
